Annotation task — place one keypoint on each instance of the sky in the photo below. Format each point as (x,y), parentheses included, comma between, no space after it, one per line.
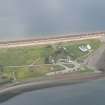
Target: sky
(26,18)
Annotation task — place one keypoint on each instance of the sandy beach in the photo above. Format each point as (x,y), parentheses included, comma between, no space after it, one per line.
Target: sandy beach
(50,40)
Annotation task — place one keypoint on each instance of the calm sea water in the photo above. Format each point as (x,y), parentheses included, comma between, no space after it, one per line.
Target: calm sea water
(39,18)
(91,93)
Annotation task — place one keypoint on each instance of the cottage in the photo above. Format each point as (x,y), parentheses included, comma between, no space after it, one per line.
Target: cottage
(85,48)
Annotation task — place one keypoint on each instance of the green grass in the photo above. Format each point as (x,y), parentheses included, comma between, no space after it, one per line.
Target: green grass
(20,56)
(22,73)
(28,55)
(74,51)
(86,69)
(37,55)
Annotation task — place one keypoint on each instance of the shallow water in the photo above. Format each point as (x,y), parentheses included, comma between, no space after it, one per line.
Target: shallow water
(38,18)
(90,93)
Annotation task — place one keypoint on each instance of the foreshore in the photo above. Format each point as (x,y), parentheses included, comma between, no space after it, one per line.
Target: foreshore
(50,40)
(48,83)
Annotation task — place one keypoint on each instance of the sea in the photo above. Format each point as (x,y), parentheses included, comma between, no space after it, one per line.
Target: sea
(89,93)
(24,19)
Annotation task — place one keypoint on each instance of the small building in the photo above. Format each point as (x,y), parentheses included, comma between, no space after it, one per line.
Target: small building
(84,48)
(89,47)
(68,59)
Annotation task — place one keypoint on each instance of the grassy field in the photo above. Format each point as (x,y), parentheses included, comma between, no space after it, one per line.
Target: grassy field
(74,51)
(25,56)
(28,55)
(86,69)
(22,73)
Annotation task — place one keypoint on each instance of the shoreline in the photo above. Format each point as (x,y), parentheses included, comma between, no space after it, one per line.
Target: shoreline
(51,40)
(56,82)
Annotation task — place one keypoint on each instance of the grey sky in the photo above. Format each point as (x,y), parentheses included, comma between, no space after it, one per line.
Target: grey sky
(23,18)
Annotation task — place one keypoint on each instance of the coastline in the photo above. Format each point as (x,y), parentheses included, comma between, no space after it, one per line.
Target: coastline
(51,40)
(55,82)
